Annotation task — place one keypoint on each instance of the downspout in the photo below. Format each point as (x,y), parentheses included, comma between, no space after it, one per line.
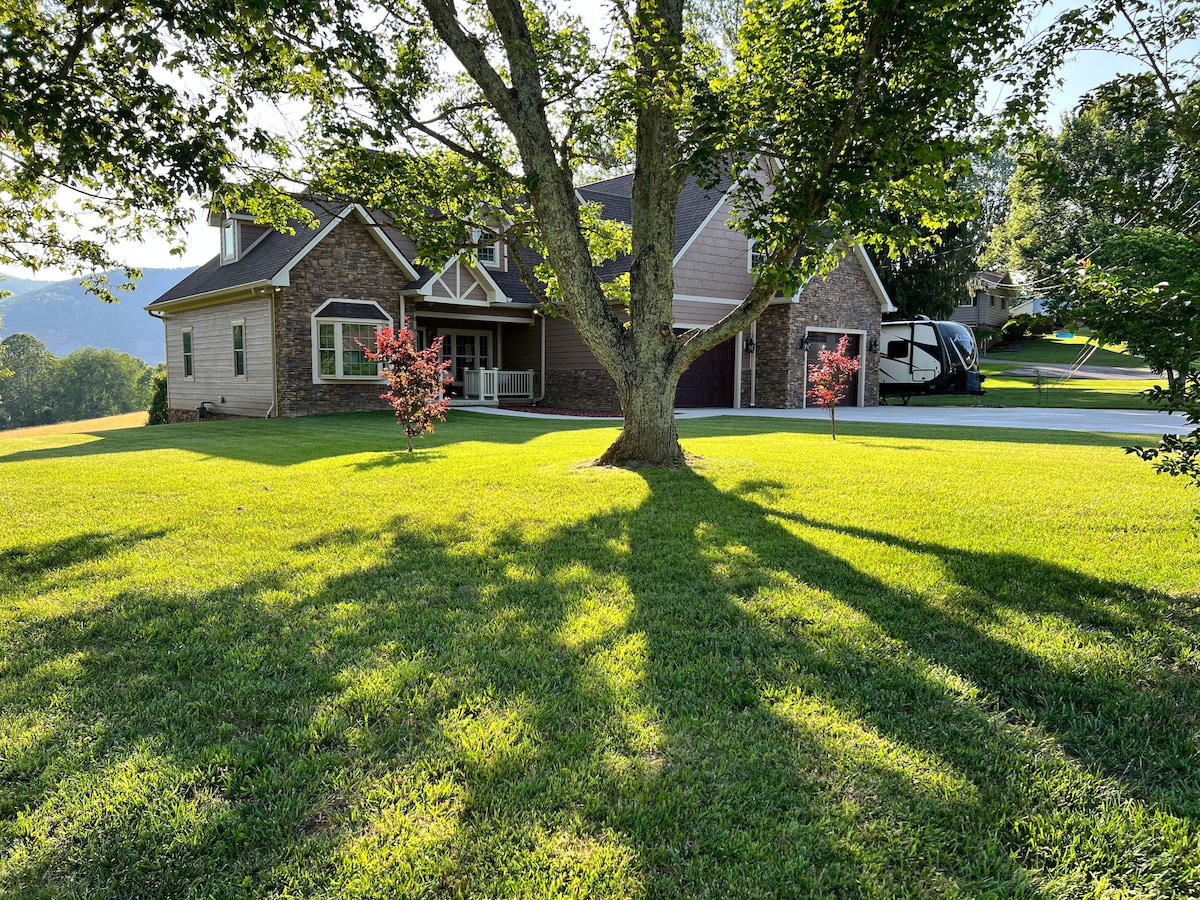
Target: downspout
(737,367)
(754,364)
(542,377)
(274,359)
(162,317)
(804,375)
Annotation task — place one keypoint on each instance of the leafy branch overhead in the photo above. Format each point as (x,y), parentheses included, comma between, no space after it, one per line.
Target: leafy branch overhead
(826,125)
(1106,213)
(113,116)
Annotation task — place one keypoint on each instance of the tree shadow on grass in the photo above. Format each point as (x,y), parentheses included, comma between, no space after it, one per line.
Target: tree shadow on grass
(682,698)
(287,442)
(28,567)
(723,426)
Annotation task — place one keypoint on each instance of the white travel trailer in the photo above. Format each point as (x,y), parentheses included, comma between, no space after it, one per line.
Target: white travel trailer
(928,357)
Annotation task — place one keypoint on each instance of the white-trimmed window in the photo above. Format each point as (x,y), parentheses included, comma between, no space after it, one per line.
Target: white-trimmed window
(189,358)
(229,241)
(239,348)
(487,254)
(755,257)
(342,331)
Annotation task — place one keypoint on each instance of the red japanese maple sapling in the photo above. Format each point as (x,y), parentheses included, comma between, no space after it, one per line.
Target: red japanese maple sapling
(417,379)
(829,377)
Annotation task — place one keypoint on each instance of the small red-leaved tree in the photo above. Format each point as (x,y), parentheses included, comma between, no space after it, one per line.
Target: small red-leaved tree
(829,377)
(417,379)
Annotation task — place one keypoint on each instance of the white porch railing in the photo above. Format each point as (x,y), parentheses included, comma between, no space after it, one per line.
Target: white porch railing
(484,385)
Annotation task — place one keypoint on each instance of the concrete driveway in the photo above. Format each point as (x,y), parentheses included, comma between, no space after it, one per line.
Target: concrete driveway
(1115,421)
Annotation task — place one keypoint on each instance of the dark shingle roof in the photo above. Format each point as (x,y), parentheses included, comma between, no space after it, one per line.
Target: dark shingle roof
(695,202)
(262,262)
(342,309)
(275,250)
(615,196)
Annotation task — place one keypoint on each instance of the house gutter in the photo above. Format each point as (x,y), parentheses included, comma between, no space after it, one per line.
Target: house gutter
(195,300)
(166,347)
(754,364)
(542,379)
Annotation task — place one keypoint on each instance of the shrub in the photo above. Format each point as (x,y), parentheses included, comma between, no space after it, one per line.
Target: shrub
(1015,328)
(158,399)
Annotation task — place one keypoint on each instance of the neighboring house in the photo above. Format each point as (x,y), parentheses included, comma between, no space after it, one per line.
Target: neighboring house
(991,296)
(272,325)
(1032,306)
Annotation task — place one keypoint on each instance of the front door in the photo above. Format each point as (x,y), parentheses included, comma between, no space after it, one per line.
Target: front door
(466,350)
(828,340)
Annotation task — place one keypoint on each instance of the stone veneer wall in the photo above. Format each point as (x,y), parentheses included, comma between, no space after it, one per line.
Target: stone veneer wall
(842,301)
(175,416)
(581,389)
(348,264)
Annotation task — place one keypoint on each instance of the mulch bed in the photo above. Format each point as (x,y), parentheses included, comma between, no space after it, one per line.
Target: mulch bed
(563,411)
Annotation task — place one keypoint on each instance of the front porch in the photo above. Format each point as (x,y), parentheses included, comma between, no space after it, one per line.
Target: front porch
(487,387)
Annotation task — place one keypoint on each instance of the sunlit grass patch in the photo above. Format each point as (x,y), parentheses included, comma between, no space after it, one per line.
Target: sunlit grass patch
(272,658)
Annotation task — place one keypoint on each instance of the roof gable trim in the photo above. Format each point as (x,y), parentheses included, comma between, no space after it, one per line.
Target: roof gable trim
(885,302)
(478,272)
(283,278)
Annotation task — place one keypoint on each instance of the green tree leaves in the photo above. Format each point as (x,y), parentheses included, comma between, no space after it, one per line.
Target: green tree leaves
(87,383)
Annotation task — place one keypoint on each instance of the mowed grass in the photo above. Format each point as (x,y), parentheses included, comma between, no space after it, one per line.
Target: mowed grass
(281,659)
(1001,389)
(1048,348)
(108,423)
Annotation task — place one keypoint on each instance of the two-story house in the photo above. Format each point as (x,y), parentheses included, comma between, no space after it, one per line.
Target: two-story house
(274,324)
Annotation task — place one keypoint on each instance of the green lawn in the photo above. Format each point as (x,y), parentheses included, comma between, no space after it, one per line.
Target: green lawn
(280,659)
(1065,351)
(1002,389)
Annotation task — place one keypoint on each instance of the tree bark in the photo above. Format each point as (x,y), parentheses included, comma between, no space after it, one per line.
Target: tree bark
(649,437)
(643,356)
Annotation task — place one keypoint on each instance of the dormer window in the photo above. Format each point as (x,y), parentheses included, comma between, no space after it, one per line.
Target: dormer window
(756,256)
(229,241)
(487,254)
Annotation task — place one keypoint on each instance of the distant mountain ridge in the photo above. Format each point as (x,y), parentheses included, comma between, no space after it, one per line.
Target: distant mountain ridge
(64,317)
(15,285)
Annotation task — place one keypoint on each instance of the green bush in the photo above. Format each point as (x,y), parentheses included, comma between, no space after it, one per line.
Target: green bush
(987,336)
(158,399)
(1015,328)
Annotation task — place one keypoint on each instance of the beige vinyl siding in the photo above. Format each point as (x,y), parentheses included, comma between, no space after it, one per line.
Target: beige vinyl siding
(212,349)
(689,313)
(565,349)
(716,263)
(458,283)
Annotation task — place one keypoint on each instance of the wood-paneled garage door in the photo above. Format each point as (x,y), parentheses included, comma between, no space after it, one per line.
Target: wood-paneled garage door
(709,380)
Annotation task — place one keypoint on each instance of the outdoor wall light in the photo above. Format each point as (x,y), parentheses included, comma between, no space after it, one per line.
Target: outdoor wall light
(806,342)
(873,344)
(750,346)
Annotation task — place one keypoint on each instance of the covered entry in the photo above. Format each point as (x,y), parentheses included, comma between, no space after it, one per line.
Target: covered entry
(709,380)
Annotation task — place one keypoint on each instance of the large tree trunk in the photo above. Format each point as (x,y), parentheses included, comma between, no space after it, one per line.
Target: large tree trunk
(648,437)
(644,356)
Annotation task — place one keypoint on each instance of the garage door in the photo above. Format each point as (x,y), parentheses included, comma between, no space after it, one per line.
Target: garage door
(828,340)
(709,380)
